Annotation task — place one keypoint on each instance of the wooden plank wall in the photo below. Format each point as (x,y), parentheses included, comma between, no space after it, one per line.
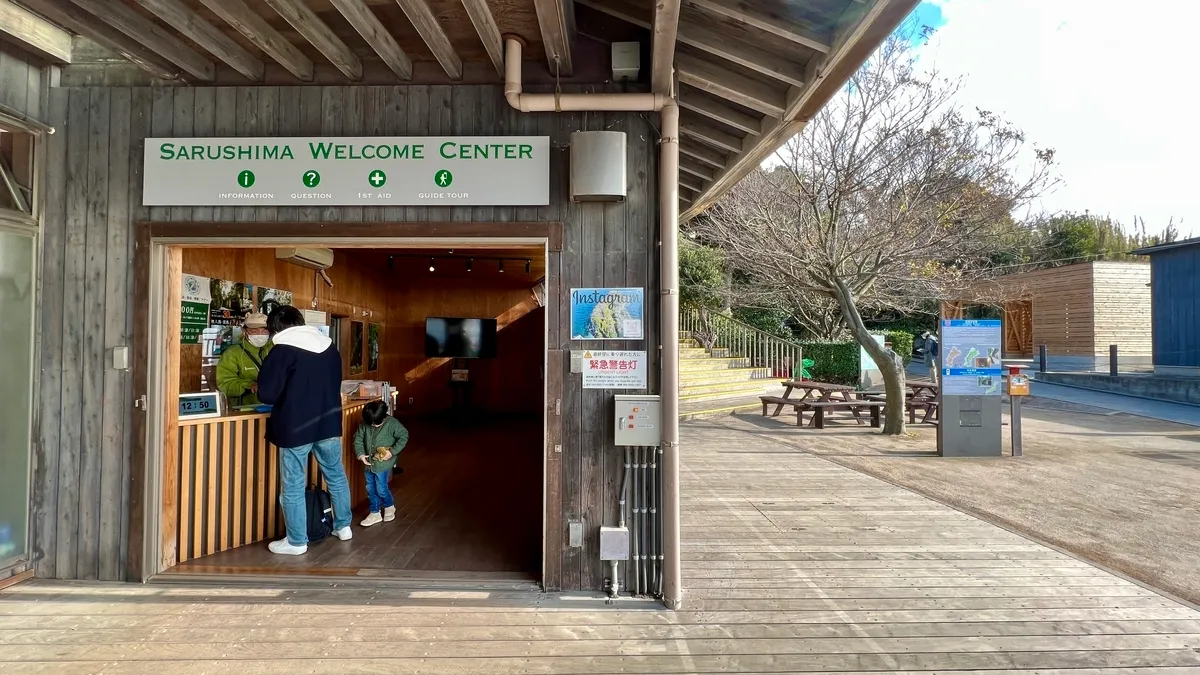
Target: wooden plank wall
(1121,293)
(93,199)
(23,82)
(1176,291)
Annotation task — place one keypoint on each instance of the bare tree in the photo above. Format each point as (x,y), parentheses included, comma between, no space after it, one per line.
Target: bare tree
(892,195)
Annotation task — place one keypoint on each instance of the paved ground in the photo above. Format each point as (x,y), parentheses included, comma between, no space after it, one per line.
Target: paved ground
(793,563)
(1119,490)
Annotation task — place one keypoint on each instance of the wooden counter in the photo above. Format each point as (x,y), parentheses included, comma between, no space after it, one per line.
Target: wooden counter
(228,481)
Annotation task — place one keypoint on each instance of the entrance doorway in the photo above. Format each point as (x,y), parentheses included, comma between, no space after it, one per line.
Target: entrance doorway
(469,485)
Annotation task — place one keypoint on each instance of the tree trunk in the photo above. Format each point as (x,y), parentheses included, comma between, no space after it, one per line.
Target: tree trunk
(891,364)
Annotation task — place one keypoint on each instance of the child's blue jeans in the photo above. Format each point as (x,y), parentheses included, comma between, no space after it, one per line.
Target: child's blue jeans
(378,492)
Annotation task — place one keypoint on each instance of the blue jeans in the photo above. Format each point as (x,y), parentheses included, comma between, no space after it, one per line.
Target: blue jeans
(378,492)
(293,465)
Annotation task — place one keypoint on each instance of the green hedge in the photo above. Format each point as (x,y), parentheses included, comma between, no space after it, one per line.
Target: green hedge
(837,362)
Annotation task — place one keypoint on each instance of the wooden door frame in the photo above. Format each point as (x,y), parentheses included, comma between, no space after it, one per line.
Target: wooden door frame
(157,257)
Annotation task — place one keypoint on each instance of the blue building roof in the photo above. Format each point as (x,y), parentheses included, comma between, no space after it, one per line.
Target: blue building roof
(1151,250)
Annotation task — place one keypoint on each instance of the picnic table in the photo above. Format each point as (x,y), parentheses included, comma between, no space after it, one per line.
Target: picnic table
(923,388)
(818,397)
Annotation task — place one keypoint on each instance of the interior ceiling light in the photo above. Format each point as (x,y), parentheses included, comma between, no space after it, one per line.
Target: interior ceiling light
(469,261)
(526,267)
(431,264)
(502,267)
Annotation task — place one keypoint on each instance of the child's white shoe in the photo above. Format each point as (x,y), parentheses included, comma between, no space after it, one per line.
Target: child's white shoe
(344,534)
(373,518)
(389,514)
(283,547)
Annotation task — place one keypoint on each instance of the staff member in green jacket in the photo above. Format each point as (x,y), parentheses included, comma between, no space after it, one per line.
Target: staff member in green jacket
(237,371)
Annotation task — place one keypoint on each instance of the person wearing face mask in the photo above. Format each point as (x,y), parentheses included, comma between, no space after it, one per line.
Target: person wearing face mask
(237,371)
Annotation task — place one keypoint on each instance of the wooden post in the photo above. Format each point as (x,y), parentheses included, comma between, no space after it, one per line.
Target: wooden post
(1113,368)
(1041,358)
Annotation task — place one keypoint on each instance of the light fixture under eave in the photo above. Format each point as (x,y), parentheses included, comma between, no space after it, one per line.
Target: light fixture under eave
(527,263)
(501,267)
(469,261)
(431,268)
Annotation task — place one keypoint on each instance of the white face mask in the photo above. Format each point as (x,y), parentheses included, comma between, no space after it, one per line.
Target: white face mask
(258,340)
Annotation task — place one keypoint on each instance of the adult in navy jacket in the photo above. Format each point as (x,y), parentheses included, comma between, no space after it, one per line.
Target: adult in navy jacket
(301,379)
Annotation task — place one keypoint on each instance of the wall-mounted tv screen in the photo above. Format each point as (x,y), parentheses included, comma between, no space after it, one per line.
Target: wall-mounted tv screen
(460,338)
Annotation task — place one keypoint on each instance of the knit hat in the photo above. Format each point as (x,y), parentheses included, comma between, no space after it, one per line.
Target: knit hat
(255,320)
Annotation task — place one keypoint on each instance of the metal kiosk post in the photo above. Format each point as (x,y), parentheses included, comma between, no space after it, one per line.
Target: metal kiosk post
(1018,388)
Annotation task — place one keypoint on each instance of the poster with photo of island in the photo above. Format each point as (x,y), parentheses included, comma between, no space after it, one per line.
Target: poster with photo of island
(607,314)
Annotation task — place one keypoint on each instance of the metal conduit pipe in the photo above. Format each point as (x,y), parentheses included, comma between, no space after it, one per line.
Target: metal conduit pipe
(615,588)
(666,538)
(634,528)
(647,525)
(652,503)
(658,564)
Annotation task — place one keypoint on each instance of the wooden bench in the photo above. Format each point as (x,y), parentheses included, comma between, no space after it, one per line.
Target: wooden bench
(778,402)
(819,407)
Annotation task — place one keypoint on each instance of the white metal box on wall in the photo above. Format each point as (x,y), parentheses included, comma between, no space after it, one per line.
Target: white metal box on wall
(638,420)
(598,166)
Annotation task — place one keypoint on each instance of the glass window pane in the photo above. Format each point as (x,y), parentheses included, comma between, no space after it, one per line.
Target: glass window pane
(16,372)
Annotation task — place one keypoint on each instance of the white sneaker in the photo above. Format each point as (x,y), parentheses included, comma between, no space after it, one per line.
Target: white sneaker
(344,534)
(373,518)
(389,514)
(283,547)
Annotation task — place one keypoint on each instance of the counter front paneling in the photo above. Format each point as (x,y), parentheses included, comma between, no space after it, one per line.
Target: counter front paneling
(228,482)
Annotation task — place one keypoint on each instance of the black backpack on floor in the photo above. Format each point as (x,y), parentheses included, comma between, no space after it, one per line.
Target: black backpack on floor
(319,509)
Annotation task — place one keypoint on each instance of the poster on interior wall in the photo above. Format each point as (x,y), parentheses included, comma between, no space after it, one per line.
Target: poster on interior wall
(318,320)
(193,316)
(356,347)
(373,347)
(970,351)
(606,314)
(614,370)
(231,302)
(270,298)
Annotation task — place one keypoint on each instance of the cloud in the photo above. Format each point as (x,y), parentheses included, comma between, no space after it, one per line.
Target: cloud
(1110,86)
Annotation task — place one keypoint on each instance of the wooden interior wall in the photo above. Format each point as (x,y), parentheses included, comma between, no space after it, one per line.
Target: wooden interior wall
(24,82)
(93,198)
(356,288)
(1122,308)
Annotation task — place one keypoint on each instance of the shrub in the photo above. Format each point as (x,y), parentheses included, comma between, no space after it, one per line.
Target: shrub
(902,343)
(835,362)
(769,321)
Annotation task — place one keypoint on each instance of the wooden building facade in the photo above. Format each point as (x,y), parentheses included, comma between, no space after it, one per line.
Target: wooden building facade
(1077,311)
(90,81)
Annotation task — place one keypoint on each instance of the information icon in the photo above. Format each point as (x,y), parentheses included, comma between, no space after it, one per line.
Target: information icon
(246,178)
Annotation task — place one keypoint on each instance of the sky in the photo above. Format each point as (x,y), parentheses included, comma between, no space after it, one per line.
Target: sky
(1112,87)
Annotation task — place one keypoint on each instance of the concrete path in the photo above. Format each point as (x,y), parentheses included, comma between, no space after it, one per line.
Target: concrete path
(792,564)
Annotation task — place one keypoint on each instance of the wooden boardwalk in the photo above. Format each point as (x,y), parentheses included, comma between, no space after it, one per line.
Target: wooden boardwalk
(792,565)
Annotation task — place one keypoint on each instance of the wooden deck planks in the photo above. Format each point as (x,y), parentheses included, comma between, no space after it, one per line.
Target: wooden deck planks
(934,592)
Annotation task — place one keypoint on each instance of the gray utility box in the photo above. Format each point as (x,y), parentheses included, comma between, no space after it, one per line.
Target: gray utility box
(969,426)
(614,543)
(638,420)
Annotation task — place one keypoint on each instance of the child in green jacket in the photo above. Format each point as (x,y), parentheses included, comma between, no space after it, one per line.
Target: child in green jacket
(377,443)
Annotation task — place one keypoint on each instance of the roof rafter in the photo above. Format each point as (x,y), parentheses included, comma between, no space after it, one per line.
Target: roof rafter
(556,19)
(181,17)
(741,11)
(431,32)
(489,32)
(256,29)
(698,101)
(726,84)
(663,34)
(149,34)
(34,33)
(373,32)
(68,16)
(695,127)
(307,23)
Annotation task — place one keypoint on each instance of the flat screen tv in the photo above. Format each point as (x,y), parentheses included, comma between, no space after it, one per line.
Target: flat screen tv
(460,338)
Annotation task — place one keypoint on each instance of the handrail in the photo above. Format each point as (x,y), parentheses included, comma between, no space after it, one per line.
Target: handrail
(717,332)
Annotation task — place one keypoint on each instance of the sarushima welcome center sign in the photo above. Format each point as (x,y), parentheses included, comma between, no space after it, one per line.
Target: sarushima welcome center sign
(407,171)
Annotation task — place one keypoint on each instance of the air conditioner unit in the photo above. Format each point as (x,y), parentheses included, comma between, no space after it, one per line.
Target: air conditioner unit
(312,258)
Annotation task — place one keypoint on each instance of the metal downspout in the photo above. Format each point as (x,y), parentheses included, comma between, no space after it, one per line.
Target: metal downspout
(668,185)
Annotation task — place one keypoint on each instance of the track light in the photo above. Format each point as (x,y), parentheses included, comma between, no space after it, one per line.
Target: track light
(469,261)
(526,267)
(501,267)
(391,261)
(431,264)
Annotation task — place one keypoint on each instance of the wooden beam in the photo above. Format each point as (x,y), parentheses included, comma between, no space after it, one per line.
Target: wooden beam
(691,182)
(662,45)
(696,100)
(702,131)
(180,17)
(256,29)
(696,34)
(431,32)
(373,32)
(706,75)
(686,166)
(742,11)
(151,35)
(707,155)
(34,33)
(307,23)
(489,32)
(68,16)
(555,18)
